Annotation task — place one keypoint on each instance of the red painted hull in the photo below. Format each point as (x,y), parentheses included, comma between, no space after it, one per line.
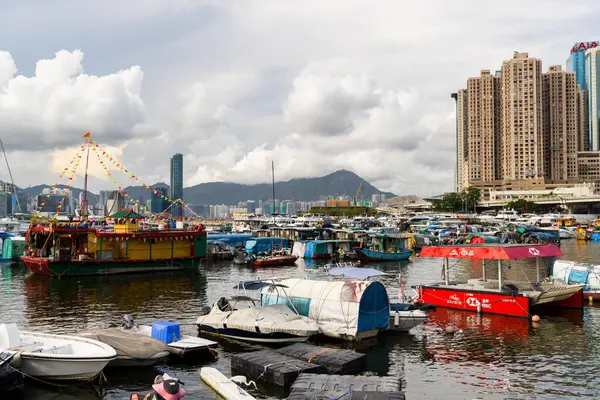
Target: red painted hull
(491,303)
(274,261)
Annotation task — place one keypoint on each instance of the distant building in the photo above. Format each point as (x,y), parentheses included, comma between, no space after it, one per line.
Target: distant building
(103,199)
(177,184)
(338,203)
(115,203)
(5,204)
(576,61)
(251,206)
(157,203)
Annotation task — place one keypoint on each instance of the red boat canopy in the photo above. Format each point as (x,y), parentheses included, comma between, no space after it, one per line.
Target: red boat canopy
(492,252)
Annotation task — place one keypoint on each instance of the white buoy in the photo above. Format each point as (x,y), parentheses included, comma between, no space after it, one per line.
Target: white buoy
(396,319)
(450,330)
(535,318)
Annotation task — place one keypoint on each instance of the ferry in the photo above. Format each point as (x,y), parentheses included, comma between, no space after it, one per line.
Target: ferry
(75,249)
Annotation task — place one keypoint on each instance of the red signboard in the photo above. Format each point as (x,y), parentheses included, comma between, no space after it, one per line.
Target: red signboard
(492,252)
(583,46)
(494,303)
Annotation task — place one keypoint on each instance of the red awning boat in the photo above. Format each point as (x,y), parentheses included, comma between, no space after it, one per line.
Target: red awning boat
(514,298)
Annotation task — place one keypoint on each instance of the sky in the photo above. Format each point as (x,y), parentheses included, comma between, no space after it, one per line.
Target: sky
(315,86)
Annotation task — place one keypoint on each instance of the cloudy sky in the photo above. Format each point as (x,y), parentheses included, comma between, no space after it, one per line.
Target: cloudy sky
(316,86)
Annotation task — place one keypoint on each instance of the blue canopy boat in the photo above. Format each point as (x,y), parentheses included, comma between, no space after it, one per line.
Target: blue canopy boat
(11,248)
(383,247)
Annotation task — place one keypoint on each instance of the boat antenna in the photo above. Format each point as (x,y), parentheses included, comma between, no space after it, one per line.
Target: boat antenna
(273,176)
(12,181)
(83,211)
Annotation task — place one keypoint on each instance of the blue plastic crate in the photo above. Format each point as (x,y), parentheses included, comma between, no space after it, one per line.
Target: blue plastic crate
(168,332)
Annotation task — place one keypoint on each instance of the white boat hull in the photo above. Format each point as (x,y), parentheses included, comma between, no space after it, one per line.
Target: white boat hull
(224,386)
(61,369)
(404,321)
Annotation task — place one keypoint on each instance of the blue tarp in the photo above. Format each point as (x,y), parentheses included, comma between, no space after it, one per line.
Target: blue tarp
(265,245)
(233,239)
(356,273)
(578,277)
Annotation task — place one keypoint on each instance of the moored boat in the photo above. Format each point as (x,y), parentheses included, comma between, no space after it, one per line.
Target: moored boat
(513,298)
(581,273)
(56,357)
(384,247)
(274,260)
(57,249)
(244,320)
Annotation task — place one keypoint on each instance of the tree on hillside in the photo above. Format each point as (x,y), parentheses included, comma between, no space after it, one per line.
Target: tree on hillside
(523,206)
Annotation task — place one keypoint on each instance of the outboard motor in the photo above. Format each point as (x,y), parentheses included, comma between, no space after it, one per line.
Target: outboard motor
(128,322)
(205,310)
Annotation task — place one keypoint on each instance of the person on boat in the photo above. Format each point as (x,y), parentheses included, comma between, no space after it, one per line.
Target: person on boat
(163,389)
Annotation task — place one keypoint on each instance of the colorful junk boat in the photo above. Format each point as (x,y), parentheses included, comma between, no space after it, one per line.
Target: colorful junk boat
(384,247)
(515,299)
(67,249)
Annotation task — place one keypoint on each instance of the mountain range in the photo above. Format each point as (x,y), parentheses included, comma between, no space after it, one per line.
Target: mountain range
(339,183)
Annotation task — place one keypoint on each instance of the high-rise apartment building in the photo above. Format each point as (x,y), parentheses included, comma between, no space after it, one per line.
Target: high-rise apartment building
(583,123)
(157,203)
(520,127)
(521,136)
(561,97)
(592,70)
(177,184)
(482,126)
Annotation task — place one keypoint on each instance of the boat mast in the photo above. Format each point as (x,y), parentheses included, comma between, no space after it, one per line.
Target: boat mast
(273,176)
(12,181)
(83,210)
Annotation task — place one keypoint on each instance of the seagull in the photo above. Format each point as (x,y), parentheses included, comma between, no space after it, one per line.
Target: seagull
(244,380)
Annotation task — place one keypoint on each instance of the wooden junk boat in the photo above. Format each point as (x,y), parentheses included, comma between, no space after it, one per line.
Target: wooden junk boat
(70,249)
(515,299)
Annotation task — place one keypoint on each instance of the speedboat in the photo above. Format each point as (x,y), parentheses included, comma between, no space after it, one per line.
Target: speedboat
(244,320)
(182,346)
(56,357)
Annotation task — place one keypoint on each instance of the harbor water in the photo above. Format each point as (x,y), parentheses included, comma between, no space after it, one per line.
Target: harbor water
(491,357)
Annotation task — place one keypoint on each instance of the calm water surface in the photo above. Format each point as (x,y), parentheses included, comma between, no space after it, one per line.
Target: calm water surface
(492,358)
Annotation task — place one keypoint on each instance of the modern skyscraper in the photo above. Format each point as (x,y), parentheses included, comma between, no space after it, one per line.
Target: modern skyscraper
(462,140)
(592,70)
(576,61)
(177,184)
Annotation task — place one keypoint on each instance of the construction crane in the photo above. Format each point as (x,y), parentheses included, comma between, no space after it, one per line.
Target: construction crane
(358,192)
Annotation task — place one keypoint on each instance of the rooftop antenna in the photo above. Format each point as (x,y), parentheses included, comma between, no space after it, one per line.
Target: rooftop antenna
(11,176)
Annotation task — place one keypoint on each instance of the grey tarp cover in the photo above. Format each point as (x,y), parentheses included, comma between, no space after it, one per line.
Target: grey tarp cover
(127,344)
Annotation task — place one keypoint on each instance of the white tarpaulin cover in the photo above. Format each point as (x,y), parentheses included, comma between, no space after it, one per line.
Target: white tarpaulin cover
(343,309)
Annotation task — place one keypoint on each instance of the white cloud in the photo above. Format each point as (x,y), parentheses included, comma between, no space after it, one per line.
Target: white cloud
(315,86)
(52,109)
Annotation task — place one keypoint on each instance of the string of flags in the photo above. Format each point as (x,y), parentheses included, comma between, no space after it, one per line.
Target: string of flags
(70,171)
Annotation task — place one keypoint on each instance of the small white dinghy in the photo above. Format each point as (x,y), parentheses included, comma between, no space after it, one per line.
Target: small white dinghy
(224,386)
(56,357)
(185,346)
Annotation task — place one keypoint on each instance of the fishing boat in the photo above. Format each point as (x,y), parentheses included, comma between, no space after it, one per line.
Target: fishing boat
(274,260)
(56,357)
(244,320)
(512,298)
(384,247)
(575,272)
(75,249)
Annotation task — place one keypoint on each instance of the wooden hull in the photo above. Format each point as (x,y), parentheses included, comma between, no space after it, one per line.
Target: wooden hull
(273,261)
(366,255)
(45,266)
